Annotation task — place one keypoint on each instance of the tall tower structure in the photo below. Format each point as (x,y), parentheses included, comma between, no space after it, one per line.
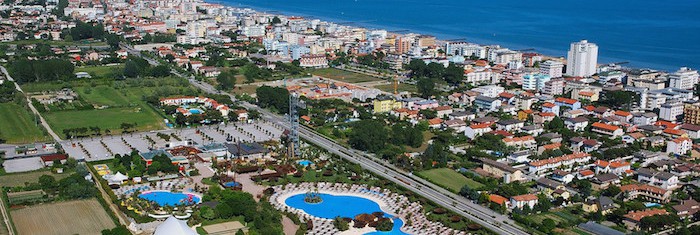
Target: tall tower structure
(294,124)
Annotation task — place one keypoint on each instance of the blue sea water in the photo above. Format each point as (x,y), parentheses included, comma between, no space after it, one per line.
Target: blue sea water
(169,198)
(646,33)
(344,206)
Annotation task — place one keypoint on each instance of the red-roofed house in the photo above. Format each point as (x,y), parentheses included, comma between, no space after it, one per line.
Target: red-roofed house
(607,129)
(521,201)
(475,130)
(571,103)
(679,146)
(48,160)
(614,167)
(634,218)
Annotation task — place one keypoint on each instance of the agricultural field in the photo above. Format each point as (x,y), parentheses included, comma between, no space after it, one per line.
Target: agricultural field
(19,179)
(102,71)
(344,76)
(449,179)
(70,217)
(17,125)
(113,102)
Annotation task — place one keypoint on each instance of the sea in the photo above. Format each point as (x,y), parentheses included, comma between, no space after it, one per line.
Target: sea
(656,34)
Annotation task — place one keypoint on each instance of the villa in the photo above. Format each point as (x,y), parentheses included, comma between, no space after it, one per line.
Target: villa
(521,201)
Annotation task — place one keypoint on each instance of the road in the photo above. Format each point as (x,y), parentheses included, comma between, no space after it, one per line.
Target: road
(492,220)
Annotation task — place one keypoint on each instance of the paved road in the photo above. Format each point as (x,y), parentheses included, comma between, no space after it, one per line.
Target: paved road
(490,219)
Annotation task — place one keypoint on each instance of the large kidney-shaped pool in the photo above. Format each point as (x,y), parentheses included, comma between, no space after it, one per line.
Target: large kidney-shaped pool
(344,206)
(164,198)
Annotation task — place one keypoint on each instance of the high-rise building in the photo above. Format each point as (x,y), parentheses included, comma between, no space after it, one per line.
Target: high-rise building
(554,87)
(582,59)
(684,78)
(552,68)
(671,111)
(535,82)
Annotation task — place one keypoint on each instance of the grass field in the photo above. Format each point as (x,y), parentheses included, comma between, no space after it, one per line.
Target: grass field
(121,102)
(401,88)
(345,76)
(144,117)
(57,43)
(71,217)
(19,179)
(449,179)
(101,71)
(17,125)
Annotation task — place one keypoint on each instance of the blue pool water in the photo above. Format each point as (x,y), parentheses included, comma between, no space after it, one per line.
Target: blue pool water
(231,184)
(343,206)
(305,162)
(169,198)
(195,111)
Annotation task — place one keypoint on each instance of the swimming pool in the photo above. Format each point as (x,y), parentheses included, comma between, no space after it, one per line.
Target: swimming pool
(164,198)
(343,206)
(195,111)
(304,162)
(231,184)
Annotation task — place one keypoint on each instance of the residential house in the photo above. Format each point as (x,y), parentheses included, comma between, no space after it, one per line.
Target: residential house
(621,168)
(548,107)
(692,130)
(385,104)
(572,104)
(487,103)
(576,124)
(443,111)
(633,219)
(679,146)
(562,176)
(542,117)
(623,116)
(607,129)
(568,161)
(524,142)
(462,115)
(533,130)
(425,104)
(457,125)
(500,200)
(644,118)
(660,179)
(521,201)
(603,181)
(502,170)
(519,156)
(687,208)
(474,130)
(548,187)
(510,125)
(603,204)
(435,123)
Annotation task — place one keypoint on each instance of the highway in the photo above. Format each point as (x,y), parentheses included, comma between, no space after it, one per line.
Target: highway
(489,219)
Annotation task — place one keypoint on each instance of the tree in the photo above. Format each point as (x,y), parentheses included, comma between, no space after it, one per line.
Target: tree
(454,74)
(368,135)
(226,80)
(273,97)
(619,99)
(547,225)
(160,71)
(426,87)
(276,20)
(385,224)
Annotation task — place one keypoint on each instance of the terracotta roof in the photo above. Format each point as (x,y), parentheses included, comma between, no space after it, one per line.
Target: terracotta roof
(434,121)
(443,108)
(549,105)
(53,157)
(618,164)
(667,124)
(638,215)
(586,93)
(681,140)
(558,159)
(622,113)
(525,197)
(604,126)
(480,126)
(566,100)
(586,172)
(498,199)
(547,114)
(642,187)
(506,95)
(673,131)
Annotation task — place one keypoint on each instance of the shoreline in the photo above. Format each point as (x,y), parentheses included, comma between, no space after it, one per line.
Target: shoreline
(546,52)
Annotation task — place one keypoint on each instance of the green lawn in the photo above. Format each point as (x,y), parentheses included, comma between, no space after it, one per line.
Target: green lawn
(449,179)
(401,88)
(122,100)
(345,76)
(144,117)
(17,125)
(101,71)
(19,179)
